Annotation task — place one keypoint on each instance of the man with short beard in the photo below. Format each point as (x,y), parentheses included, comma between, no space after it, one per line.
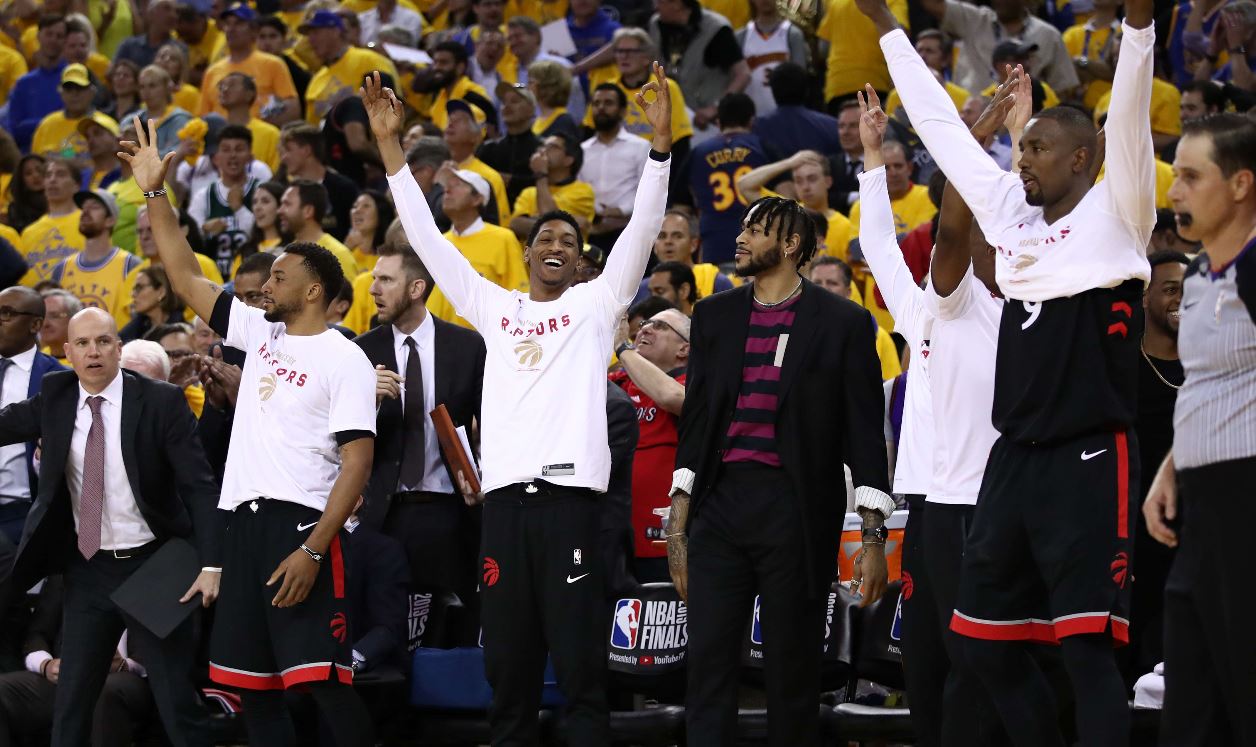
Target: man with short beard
(1160,376)
(509,154)
(783,388)
(98,273)
(612,160)
(420,362)
(448,78)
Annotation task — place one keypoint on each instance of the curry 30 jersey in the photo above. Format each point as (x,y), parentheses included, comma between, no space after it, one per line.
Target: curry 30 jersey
(714,168)
(1068,367)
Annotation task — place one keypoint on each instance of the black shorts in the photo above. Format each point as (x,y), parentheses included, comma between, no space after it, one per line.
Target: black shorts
(258,646)
(1050,549)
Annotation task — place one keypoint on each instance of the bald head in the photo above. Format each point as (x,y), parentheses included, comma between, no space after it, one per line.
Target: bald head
(21,317)
(93,349)
(664,339)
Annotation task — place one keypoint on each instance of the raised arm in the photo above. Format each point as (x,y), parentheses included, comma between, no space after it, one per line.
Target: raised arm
(1129,155)
(876,220)
(456,278)
(149,168)
(751,184)
(986,188)
(628,257)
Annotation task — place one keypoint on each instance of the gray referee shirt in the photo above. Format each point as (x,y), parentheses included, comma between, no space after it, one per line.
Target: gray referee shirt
(1215,417)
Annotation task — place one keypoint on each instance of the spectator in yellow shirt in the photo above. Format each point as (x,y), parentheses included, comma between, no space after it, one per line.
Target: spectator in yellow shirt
(464,132)
(101,134)
(301,212)
(98,273)
(449,76)
(57,133)
(275,90)
(237,92)
(174,60)
(203,38)
(909,202)
(554,166)
(56,235)
(493,251)
(344,66)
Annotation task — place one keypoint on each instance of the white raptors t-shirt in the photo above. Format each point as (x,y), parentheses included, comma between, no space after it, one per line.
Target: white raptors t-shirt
(296,393)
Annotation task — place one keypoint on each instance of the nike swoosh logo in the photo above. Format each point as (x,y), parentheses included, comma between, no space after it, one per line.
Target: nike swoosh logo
(1087,456)
(303,527)
(571,580)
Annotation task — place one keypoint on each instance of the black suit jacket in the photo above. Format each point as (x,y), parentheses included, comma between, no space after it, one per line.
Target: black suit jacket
(174,488)
(459,359)
(830,408)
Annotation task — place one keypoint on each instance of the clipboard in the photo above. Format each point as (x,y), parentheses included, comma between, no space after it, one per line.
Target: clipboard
(455,447)
(151,594)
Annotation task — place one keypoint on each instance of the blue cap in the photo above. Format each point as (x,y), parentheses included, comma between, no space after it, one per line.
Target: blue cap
(241,11)
(322,19)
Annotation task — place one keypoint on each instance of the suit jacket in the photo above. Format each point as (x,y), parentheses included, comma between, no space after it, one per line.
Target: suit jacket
(377,591)
(829,412)
(43,364)
(173,486)
(622,432)
(459,359)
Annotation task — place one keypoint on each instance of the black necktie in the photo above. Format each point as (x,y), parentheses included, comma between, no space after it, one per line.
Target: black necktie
(4,368)
(412,454)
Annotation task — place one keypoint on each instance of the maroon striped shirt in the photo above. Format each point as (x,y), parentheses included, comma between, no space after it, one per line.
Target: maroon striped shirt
(752,432)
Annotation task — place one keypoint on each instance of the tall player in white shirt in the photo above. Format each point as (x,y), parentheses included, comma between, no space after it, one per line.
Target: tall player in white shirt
(1048,554)
(300,455)
(544,437)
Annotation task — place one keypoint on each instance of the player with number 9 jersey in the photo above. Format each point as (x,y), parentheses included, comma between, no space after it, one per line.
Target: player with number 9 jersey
(714,168)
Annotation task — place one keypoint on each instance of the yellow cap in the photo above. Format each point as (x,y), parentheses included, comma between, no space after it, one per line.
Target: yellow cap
(75,74)
(104,120)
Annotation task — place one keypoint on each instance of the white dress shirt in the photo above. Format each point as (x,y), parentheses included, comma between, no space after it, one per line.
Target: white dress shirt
(14,479)
(407,19)
(122,526)
(435,476)
(614,169)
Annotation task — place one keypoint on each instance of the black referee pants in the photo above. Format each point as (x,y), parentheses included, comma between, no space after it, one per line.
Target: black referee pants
(1209,652)
(541,590)
(748,539)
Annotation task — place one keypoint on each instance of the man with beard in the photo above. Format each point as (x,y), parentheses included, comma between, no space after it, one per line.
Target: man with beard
(1047,556)
(420,362)
(543,474)
(299,458)
(612,160)
(1160,376)
(98,273)
(449,80)
(554,166)
(783,388)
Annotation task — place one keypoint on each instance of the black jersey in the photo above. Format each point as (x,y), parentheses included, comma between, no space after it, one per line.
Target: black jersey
(1068,367)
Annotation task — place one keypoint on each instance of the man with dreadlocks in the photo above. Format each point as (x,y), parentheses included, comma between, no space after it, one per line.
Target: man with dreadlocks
(784,386)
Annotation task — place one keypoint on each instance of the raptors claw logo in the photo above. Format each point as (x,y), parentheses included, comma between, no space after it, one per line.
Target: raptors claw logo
(1119,568)
(491,571)
(908,586)
(339,627)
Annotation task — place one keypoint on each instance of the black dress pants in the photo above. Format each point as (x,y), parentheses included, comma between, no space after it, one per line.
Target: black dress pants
(89,638)
(747,539)
(123,711)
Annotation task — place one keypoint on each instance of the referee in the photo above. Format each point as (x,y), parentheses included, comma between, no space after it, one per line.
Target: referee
(1208,512)
(544,435)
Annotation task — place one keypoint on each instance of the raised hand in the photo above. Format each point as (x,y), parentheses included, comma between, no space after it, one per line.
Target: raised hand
(879,13)
(999,110)
(382,108)
(872,120)
(1023,108)
(659,111)
(147,165)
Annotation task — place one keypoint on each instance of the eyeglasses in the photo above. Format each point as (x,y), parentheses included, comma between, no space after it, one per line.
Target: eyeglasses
(8,312)
(660,324)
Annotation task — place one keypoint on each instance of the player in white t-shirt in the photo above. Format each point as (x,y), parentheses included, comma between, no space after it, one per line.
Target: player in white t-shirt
(544,437)
(300,455)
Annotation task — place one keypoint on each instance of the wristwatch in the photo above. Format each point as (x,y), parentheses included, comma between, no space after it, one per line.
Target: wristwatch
(875,535)
(619,351)
(317,557)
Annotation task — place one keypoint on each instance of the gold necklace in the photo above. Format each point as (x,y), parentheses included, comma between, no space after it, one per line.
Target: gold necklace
(1155,370)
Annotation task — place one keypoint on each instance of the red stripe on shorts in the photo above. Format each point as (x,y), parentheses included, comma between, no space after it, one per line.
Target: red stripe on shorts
(337,568)
(1122,486)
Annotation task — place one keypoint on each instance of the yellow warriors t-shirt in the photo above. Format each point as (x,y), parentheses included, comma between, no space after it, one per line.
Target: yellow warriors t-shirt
(46,242)
(99,284)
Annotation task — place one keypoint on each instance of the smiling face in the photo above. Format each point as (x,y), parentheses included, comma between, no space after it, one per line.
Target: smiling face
(661,339)
(524,45)
(1163,298)
(93,348)
(553,255)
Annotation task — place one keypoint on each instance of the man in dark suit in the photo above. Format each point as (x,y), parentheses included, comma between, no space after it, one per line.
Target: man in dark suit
(22,369)
(123,712)
(783,388)
(421,362)
(121,472)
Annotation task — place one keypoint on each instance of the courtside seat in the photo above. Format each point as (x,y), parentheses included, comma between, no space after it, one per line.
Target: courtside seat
(647,633)
(879,641)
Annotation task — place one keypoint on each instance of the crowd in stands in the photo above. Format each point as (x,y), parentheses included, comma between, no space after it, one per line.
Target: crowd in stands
(514,109)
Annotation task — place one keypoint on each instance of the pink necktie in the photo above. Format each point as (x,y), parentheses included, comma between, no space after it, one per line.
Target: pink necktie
(92,496)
